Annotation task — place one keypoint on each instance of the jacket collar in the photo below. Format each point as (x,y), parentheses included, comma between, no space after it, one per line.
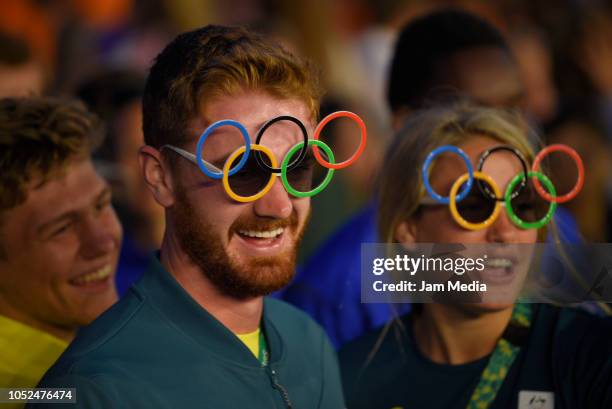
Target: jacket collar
(161,290)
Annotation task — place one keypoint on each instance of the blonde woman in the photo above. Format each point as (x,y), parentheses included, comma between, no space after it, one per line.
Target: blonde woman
(471,355)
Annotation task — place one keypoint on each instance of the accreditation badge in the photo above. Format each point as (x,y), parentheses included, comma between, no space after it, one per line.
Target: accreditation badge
(536,400)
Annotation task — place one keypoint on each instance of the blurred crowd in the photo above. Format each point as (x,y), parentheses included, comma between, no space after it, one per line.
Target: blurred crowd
(100,51)
(384,60)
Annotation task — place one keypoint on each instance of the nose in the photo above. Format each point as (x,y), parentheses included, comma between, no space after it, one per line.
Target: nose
(275,204)
(99,236)
(503,230)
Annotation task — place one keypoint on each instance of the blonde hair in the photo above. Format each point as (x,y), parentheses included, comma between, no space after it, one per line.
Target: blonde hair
(38,136)
(400,181)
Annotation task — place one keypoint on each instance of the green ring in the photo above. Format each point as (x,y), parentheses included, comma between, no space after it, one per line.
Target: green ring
(551,210)
(328,177)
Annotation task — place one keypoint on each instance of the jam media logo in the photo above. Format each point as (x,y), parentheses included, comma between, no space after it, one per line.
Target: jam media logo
(536,400)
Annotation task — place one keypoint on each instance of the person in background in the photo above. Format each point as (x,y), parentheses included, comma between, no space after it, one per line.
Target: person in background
(327,287)
(578,126)
(21,74)
(200,312)
(59,236)
(535,65)
(495,353)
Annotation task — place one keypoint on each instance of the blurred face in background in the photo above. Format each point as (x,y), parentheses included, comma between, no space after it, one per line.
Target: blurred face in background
(535,65)
(486,74)
(60,248)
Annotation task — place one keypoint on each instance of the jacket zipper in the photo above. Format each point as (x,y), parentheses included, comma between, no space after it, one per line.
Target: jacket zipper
(280,388)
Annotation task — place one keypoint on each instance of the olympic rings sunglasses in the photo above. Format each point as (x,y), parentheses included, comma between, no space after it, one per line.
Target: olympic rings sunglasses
(528,204)
(254,175)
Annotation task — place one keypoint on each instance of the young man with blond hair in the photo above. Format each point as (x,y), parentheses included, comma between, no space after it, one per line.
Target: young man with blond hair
(59,236)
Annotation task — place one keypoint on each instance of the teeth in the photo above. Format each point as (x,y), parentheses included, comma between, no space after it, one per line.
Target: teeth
(268,234)
(97,275)
(500,262)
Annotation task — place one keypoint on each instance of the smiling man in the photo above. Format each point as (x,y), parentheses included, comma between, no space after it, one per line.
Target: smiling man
(59,236)
(197,330)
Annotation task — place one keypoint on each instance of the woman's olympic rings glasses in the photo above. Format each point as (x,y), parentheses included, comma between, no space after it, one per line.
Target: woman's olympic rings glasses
(247,177)
(529,205)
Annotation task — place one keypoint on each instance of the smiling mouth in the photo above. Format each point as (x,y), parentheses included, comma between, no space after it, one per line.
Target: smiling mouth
(500,263)
(265,234)
(95,277)
(263,240)
(499,270)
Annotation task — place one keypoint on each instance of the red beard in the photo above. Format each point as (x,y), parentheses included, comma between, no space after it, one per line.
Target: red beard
(257,277)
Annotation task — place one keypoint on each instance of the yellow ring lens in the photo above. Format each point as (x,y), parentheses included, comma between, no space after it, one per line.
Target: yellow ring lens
(228,165)
(453,202)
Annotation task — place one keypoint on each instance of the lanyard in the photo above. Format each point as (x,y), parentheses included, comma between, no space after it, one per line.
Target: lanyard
(263,355)
(501,360)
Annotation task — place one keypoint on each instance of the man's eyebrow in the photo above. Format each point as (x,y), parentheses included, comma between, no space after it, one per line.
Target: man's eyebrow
(69,215)
(72,214)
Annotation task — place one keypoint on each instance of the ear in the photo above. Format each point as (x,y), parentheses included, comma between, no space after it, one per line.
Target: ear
(157,178)
(405,233)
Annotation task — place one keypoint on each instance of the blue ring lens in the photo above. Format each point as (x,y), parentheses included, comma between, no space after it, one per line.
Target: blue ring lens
(206,134)
(432,155)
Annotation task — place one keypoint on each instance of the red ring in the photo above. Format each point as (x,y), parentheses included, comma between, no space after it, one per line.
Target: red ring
(574,155)
(362,143)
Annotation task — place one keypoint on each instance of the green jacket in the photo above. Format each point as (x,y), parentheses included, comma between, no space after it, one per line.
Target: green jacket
(157,348)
